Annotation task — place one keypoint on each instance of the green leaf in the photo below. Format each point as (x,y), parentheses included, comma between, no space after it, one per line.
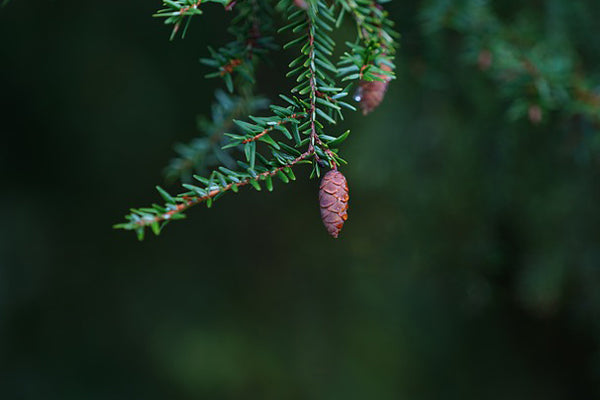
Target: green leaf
(256,185)
(290,173)
(140,233)
(166,196)
(269,183)
(283,177)
(155,228)
(250,152)
(269,140)
(339,139)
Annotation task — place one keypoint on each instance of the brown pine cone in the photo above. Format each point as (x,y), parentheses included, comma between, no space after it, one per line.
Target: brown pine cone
(370,94)
(333,199)
(301,4)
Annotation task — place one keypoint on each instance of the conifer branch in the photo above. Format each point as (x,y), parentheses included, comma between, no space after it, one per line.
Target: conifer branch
(157,216)
(312,79)
(535,73)
(271,128)
(316,101)
(206,150)
(179,11)
(370,59)
(252,29)
(371,21)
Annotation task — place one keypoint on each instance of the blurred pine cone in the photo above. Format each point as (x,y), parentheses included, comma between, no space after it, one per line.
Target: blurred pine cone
(370,94)
(301,4)
(333,199)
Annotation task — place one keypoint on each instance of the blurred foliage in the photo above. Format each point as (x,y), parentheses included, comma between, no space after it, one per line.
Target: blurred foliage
(207,150)
(470,268)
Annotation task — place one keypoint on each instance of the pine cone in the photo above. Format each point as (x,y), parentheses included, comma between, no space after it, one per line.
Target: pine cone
(301,4)
(333,199)
(370,94)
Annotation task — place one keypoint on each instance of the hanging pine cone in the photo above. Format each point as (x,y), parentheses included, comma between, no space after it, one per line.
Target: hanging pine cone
(370,94)
(333,199)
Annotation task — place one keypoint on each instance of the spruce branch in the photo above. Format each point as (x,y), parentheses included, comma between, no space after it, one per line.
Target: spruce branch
(157,216)
(276,125)
(295,133)
(207,150)
(313,70)
(374,28)
(371,21)
(312,78)
(178,12)
(369,60)
(252,29)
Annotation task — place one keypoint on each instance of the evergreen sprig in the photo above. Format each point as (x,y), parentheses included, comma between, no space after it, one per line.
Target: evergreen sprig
(298,130)
(252,29)
(178,12)
(375,45)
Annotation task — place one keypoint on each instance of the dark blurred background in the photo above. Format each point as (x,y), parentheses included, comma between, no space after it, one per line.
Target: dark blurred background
(469,267)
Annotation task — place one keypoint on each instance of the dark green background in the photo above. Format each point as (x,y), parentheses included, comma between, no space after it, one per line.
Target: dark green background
(469,267)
